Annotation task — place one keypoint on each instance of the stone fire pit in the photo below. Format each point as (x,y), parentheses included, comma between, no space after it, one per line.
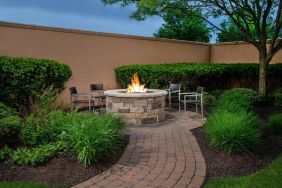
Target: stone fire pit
(137,108)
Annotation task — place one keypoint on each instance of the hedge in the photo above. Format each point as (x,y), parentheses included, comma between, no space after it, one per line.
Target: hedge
(190,75)
(22,78)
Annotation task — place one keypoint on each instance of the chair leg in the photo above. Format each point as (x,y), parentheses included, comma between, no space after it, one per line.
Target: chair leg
(202,107)
(197,107)
(169,100)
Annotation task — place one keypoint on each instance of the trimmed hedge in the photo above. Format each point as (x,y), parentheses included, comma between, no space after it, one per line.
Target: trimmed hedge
(22,78)
(190,75)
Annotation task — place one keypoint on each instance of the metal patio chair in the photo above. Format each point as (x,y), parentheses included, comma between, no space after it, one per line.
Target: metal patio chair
(81,98)
(99,90)
(192,97)
(173,89)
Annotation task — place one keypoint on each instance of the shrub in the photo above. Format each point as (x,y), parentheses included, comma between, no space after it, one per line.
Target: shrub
(190,75)
(10,125)
(94,138)
(234,132)
(4,153)
(278,98)
(208,99)
(38,155)
(22,78)
(42,129)
(249,95)
(276,123)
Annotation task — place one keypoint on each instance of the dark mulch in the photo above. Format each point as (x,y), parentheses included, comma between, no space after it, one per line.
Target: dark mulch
(60,171)
(220,163)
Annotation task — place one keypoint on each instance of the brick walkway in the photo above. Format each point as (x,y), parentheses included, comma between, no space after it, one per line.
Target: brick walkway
(164,155)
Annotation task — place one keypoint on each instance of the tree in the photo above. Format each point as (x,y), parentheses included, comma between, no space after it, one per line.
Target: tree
(233,33)
(180,26)
(241,12)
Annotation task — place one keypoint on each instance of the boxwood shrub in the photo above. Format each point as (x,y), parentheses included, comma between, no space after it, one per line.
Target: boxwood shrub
(190,75)
(22,78)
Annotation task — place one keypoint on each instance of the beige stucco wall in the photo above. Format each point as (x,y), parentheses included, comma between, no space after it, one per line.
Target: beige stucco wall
(93,56)
(238,52)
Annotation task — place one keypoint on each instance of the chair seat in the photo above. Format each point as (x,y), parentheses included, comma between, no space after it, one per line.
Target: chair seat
(82,101)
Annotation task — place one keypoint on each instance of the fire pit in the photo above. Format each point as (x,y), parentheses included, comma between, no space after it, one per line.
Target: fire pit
(137,104)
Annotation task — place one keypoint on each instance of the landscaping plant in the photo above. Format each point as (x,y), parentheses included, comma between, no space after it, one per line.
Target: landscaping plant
(37,155)
(10,125)
(94,138)
(278,98)
(212,76)
(232,126)
(275,123)
(23,78)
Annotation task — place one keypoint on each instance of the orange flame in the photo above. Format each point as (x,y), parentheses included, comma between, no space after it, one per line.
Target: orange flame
(135,85)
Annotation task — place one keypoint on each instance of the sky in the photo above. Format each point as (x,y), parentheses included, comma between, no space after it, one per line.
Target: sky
(78,14)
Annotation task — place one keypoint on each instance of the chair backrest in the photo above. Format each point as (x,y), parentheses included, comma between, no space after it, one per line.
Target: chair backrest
(94,87)
(200,89)
(73,90)
(174,86)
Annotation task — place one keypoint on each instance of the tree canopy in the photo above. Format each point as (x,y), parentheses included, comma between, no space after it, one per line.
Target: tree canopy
(243,13)
(181,26)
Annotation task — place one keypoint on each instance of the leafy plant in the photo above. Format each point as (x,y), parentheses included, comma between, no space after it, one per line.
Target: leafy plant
(22,78)
(212,76)
(5,152)
(94,138)
(38,155)
(249,95)
(43,129)
(275,122)
(278,98)
(234,132)
(10,125)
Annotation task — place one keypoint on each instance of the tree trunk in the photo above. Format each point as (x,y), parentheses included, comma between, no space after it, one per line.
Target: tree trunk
(263,66)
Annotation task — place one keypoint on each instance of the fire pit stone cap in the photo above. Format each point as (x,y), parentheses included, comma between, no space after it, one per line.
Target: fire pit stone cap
(122,93)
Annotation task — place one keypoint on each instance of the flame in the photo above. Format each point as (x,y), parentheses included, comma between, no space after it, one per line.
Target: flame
(135,85)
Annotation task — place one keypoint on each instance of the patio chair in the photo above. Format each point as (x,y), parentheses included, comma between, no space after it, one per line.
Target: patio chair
(173,88)
(80,98)
(99,89)
(193,97)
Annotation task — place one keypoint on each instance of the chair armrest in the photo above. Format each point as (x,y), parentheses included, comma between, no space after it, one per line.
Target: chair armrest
(188,93)
(175,91)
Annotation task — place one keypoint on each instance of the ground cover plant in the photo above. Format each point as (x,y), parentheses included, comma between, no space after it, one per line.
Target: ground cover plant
(212,76)
(232,125)
(19,184)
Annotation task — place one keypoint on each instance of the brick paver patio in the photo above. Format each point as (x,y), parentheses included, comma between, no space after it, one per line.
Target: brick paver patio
(164,155)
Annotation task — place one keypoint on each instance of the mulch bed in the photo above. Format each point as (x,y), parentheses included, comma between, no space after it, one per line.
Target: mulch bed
(61,171)
(220,163)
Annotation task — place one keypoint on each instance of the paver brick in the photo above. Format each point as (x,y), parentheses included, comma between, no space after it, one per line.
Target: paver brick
(167,155)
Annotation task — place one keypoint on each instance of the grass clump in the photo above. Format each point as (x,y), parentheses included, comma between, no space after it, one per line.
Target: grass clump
(234,132)
(232,126)
(275,123)
(37,155)
(94,138)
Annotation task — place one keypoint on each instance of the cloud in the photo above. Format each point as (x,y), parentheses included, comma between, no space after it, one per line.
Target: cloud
(86,15)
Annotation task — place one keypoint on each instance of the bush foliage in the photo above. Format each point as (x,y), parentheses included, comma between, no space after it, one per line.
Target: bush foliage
(37,155)
(190,75)
(22,78)
(278,98)
(10,125)
(275,122)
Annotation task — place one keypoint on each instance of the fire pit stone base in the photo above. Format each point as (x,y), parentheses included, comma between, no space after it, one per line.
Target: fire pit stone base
(138,110)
